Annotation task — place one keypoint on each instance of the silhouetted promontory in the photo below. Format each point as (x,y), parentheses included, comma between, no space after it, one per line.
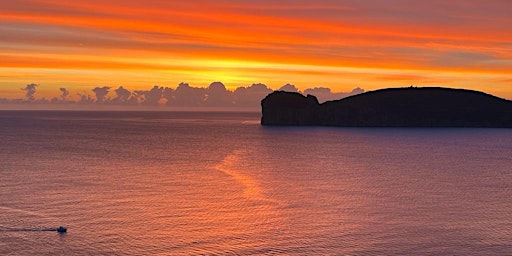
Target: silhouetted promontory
(394,107)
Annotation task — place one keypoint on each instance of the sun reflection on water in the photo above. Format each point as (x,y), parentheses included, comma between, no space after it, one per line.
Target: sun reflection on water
(231,165)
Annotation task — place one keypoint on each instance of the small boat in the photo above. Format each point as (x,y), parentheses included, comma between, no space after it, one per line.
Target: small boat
(62,229)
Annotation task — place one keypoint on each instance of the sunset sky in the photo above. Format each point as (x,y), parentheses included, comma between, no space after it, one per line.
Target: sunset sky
(341,44)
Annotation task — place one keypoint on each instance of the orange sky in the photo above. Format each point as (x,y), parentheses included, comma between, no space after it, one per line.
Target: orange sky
(341,44)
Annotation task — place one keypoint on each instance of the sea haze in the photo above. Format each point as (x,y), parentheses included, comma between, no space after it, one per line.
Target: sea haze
(176,183)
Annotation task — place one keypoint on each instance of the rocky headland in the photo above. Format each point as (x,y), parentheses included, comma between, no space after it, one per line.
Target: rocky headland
(394,107)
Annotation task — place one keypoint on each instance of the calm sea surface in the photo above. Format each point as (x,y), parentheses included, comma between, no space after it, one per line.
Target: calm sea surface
(160,183)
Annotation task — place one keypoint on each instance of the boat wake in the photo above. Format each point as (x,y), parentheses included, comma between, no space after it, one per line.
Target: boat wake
(60,229)
(16,220)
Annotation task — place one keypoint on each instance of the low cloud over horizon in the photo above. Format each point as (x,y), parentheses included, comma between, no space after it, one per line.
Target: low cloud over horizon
(184,95)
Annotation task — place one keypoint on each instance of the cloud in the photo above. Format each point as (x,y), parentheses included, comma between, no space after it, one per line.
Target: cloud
(151,97)
(64,93)
(101,93)
(189,96)
(85,99)
(456,58)
(168,95)
(30,90)
(250,96)
(217,95)
(354,34)
(288,88)
(324,94)
(123,96)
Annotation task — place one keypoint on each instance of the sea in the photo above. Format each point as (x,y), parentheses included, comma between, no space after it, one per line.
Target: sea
(219,183)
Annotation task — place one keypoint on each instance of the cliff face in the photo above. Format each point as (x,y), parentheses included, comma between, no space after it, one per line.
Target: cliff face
(289,108)
(398,107)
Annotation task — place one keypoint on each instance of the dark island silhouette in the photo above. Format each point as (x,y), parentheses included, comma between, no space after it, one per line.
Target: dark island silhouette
(393,107)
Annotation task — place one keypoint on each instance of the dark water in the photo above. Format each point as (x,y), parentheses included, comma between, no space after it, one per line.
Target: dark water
(146,183)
